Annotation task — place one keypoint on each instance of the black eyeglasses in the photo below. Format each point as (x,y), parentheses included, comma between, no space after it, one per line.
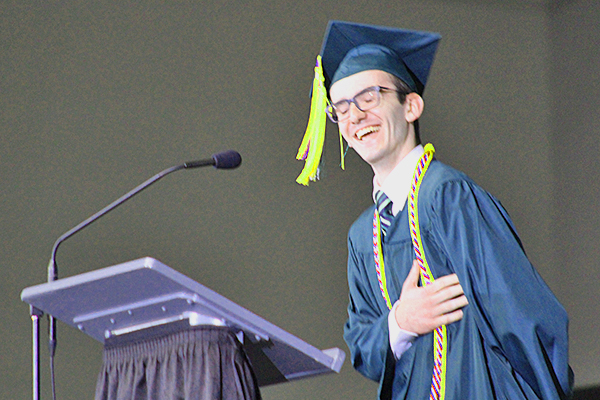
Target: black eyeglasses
(364,101)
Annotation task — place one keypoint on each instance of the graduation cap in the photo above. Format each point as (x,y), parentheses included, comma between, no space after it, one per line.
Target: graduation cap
(349,48)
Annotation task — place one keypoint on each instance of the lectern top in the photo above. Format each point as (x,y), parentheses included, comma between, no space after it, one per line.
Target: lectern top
(142,294)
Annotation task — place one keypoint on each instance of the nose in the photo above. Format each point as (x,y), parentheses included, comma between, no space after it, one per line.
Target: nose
(355,113)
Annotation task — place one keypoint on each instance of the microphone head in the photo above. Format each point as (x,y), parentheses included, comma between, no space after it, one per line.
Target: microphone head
(227,159)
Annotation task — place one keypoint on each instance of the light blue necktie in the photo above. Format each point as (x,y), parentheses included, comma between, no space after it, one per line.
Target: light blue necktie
(384,207)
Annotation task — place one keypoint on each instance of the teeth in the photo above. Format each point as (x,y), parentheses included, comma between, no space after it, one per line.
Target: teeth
(367,130)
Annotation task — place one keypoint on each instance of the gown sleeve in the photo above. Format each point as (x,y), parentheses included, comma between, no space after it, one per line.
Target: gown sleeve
(517,314)
(366,331)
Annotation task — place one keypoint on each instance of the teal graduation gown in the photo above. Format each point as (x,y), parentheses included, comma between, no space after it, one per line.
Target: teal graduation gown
(512,342)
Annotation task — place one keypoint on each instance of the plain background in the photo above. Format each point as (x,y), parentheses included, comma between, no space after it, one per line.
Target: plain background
(97,96)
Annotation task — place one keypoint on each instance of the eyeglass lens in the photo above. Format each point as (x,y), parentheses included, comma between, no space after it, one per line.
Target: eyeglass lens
(365,100)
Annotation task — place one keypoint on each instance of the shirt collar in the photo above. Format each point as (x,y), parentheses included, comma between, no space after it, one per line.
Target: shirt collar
(397,185)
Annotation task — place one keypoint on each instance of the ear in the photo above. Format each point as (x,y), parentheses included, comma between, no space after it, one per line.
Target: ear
(413,107)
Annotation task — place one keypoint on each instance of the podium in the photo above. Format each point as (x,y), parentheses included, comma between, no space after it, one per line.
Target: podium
(144,298)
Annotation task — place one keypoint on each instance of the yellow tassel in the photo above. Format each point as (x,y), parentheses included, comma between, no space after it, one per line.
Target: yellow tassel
(311,147)
(342,165)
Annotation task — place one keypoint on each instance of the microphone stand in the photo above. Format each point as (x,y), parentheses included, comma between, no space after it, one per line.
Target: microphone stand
(225,160)
(35,321)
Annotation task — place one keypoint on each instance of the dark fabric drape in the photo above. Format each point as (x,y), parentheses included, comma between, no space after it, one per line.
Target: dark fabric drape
(206,363)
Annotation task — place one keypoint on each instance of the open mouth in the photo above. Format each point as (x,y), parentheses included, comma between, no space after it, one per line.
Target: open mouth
(366,131)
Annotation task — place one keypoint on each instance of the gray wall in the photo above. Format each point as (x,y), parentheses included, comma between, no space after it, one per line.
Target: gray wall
(575,94)
(96,98)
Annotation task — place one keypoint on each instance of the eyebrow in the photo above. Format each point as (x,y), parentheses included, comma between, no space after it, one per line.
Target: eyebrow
(356,94)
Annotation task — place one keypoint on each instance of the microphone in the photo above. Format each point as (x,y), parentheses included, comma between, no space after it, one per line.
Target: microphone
(225,160)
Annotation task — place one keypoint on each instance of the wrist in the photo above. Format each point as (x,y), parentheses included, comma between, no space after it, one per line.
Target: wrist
(401,320)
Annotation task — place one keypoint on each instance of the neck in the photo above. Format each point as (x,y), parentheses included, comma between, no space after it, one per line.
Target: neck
(382,170)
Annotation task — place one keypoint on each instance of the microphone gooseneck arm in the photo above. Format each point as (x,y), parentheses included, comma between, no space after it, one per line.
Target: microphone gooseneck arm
(224,160)
(52,268)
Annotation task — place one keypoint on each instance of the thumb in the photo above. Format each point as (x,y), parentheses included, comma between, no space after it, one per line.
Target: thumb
(412,280)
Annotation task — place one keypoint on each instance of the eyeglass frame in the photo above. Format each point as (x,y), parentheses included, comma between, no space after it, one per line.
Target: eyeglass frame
(332,107)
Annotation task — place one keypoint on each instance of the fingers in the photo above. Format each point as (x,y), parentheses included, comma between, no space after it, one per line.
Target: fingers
(445,288)
(437,285)
(448,292)
(423,309)
(445,281)
(451,305)
(449,318)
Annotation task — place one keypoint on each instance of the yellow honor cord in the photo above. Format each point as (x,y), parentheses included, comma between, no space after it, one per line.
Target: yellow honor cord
(427,278)
(379,260)
(444,357)
(342,155)
(311,147)
(428,149)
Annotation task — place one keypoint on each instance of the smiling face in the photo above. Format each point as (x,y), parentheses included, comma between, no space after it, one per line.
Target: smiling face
(382,136)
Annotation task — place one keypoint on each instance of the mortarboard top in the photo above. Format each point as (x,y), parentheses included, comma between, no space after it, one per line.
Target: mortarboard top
(349,48)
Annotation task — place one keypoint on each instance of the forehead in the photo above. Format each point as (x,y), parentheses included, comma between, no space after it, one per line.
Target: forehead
(347,87)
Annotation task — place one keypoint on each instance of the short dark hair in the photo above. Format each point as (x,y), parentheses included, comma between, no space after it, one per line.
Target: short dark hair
(403,89)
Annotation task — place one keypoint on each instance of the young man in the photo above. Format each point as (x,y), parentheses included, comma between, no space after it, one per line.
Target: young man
(483,324)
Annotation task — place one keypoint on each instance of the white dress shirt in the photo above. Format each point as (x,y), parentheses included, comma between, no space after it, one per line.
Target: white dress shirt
(397,186)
